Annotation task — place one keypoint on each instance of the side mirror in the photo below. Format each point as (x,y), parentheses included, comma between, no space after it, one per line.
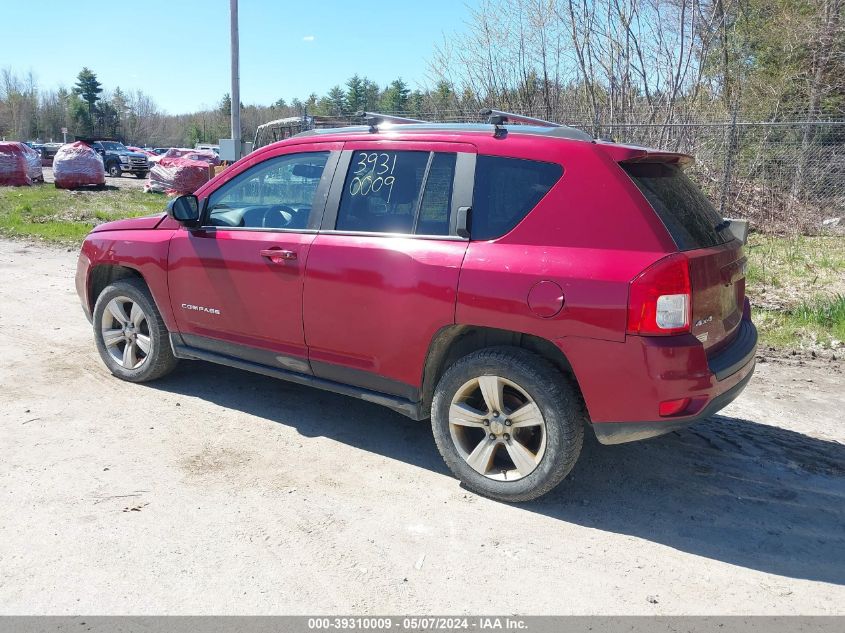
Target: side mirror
(185,210)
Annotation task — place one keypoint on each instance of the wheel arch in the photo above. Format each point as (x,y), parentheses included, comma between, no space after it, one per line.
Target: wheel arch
(453,342)
(103,275)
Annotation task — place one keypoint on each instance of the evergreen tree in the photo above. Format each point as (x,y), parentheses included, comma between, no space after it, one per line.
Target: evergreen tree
(355,98)
(395,97)
(89,89)
(108,121)
(79,114)
(416,101)
(336,101)
(372,94)
(225,106)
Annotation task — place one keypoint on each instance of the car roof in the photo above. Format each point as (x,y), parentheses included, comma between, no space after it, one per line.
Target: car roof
(562,131)
(474,132)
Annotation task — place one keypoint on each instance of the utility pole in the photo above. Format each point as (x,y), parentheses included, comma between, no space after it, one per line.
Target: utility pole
(236,80)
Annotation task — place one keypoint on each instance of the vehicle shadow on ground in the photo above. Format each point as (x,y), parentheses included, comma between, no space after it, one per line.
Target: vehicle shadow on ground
(733,490)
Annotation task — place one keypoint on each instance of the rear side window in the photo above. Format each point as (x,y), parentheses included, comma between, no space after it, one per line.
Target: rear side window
(506,189)
(685,211)
(403,192)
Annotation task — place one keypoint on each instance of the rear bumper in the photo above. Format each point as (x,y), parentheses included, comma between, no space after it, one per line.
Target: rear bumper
(621,432)
(623,383)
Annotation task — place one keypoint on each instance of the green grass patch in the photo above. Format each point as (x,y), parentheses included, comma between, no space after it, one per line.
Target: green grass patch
(814,324)
(59,215)
(797,289)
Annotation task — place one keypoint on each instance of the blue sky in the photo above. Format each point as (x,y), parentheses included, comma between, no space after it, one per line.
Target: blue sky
(177,51)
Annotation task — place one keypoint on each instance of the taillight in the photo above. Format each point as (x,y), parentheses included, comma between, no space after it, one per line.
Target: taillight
(660,298)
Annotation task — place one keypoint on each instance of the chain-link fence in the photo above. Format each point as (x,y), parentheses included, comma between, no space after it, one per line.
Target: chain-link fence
(785,176)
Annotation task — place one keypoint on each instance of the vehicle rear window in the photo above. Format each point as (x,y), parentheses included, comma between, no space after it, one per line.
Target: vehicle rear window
(506,189)
(684,209)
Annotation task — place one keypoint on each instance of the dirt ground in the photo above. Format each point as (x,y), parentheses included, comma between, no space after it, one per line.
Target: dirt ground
(216,491)
(123,182)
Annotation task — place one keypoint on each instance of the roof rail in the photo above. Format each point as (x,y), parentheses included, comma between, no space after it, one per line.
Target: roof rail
(498,118)
(374,119)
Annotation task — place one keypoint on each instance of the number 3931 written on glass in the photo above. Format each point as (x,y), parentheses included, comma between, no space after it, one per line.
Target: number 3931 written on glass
(373,172)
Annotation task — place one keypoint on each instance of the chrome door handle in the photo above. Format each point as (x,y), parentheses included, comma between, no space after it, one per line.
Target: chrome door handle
(277,255)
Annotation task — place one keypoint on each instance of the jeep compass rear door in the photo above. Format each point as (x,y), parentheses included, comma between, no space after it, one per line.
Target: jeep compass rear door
(382,275)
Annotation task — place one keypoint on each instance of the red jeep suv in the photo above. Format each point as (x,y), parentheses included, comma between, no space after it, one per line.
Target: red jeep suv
(513,283)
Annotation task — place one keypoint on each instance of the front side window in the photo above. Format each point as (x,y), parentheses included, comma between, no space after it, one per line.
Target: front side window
(506,189)
(276,194)
(405,192)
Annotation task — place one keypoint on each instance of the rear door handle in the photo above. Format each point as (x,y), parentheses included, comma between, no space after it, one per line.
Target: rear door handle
(277,255)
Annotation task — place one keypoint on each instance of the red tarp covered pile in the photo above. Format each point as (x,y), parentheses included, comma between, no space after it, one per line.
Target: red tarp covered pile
(205,155)
(177,176)
(177,152)
(19,164)
(33,163)
(77,165)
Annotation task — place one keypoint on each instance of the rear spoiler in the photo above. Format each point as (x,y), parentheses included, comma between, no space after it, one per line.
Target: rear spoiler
(637,154)
(675,158)
(738,228)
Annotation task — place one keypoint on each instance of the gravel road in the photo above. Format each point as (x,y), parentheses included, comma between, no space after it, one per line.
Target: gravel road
(216,491)
(122,182)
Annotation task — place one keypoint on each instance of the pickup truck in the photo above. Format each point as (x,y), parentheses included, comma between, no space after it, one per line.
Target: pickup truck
(119,160)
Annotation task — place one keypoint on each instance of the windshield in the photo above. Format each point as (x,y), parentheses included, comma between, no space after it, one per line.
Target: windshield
(113,146)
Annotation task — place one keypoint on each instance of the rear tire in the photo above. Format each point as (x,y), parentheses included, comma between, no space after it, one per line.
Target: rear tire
(530,446)
(130,333)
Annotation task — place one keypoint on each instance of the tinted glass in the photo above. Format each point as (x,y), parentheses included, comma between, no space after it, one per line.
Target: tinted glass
(385,190)
(689,217)
(435,209)
(277,193)
(506,189)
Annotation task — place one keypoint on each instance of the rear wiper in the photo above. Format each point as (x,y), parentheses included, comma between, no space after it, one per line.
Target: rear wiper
(721,226)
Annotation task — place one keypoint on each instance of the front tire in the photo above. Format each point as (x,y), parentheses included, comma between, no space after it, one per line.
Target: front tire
(508,424)
(114,170)
(130,333)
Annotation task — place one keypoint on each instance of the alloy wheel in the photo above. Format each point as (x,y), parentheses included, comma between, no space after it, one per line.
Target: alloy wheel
(497,428)
(126,333)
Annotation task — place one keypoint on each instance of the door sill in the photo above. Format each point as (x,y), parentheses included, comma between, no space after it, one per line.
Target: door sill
(408,408)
